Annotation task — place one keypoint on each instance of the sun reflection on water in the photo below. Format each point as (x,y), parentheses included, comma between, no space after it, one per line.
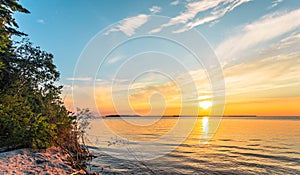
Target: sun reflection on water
(205,125)
(205,131)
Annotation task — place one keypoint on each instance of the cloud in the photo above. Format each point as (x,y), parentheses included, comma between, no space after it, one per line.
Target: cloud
(190,19)
(129,25)
(275,3)
(287,45)
(115,59)
(268,77)
(176,2)
(216,13)
(267,28)
(197,22)
(79,78)
(192,9)
(41,21)
(155,9)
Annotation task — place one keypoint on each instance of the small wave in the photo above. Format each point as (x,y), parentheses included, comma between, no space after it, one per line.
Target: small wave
(226,140)
(280,158)
(276,147)
(253,145)
(255,140)
(242,148)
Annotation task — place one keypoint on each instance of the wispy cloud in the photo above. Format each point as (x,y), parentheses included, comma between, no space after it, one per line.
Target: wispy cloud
(79,78)
(275,3)
(275,73)
(155,9)
(129,25)
(196,13)
(176,2)
(260,31)
(115,59)
(190,17)
(287,45)
(192,9)
(41,21)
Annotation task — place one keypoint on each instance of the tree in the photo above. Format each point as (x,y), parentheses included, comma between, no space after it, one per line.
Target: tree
(8,28)
(32,113)
(8,24)
(30,107)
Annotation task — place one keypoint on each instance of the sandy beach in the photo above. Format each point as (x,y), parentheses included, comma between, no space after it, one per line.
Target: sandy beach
(29,161)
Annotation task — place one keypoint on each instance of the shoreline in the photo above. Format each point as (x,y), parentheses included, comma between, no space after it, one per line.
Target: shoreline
(31,161)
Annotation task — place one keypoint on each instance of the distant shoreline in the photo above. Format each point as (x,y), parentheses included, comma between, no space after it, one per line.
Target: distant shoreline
(116,116)
(213,116)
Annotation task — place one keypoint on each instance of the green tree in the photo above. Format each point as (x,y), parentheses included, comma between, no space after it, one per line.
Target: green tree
(8,24)
(32,113)
(8,28)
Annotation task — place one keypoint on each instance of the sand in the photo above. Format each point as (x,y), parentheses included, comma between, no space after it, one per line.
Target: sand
(28,161)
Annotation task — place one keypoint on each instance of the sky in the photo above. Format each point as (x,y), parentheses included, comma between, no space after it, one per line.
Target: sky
(150,57)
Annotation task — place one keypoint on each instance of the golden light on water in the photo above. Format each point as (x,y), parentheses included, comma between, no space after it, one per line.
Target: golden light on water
(205,125)
(205,131)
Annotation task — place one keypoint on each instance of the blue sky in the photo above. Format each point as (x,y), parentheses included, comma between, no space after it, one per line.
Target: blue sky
(245,35)
(65,27)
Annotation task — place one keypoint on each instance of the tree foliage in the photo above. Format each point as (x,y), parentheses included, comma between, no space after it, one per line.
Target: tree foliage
(31,111)
(8,24)
(8,28)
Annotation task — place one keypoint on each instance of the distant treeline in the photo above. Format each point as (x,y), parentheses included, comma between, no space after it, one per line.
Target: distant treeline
(247,116)
(107,116)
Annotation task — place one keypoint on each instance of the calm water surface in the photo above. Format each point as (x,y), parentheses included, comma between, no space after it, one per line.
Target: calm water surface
(240,146)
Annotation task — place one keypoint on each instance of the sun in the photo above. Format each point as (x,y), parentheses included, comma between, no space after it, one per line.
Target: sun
(205,104)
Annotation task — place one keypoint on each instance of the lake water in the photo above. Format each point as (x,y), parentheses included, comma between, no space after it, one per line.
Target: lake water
(262,145)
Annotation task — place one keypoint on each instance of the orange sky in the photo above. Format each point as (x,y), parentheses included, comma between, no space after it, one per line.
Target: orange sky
(260,107)
(260,91)
(267,86)
(265,107)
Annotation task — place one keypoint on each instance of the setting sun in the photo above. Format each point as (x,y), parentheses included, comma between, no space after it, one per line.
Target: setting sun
(205,104)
